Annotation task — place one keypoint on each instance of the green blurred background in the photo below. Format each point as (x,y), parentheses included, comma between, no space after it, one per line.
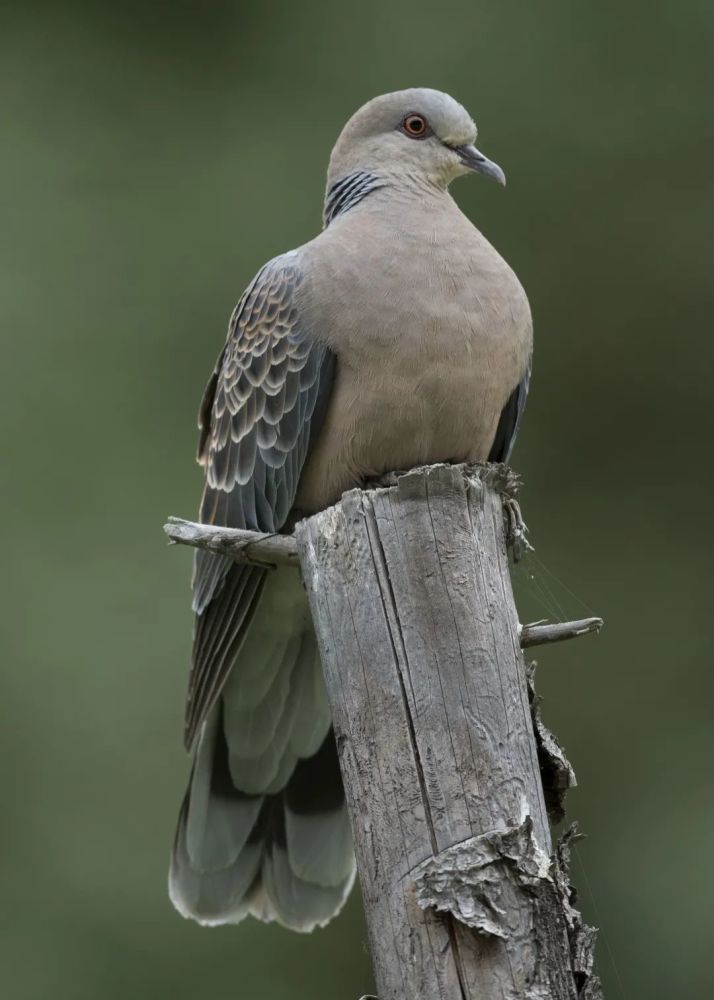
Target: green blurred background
(152,158)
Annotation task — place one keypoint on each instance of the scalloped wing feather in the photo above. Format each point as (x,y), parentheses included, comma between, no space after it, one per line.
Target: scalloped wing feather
(262,406)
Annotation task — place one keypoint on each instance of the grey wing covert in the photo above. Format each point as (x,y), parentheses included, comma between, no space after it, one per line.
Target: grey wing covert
(263,828)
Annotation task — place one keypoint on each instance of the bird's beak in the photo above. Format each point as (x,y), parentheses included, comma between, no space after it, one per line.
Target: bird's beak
(476,161)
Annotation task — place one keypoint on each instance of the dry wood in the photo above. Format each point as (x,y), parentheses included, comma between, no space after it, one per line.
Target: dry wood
(270,550)
(539,633)
(411,598)
(244,546)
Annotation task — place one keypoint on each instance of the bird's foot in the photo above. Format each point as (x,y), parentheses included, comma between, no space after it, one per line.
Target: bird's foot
(382,481)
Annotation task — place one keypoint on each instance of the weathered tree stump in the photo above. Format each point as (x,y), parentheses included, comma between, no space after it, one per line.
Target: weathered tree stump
(411,597)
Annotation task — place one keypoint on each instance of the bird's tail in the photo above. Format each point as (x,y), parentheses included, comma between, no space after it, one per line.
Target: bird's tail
(263,828)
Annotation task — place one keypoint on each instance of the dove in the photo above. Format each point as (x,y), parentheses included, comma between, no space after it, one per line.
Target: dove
(397,337)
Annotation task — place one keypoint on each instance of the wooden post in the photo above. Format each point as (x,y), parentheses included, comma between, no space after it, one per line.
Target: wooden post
(411,598)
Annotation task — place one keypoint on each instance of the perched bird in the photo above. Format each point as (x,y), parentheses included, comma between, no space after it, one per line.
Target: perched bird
(397,337)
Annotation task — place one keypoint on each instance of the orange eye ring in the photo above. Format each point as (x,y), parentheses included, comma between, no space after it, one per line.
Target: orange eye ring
(415,126)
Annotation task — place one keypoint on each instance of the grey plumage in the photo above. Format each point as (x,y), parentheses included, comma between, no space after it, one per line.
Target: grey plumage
(256,418)
(397,336)
(510,419)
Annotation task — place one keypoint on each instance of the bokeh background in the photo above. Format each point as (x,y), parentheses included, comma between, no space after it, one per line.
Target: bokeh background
(152,157)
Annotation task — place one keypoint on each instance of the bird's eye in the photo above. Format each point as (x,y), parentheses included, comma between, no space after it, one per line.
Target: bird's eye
(415,127)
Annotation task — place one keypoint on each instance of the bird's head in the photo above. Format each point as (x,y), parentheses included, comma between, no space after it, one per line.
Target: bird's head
(420,133)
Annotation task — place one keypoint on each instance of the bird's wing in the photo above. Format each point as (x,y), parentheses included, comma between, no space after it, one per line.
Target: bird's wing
(262,407)
(510,419)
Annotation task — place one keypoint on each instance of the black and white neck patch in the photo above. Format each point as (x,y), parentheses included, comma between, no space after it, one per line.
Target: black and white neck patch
(348,192)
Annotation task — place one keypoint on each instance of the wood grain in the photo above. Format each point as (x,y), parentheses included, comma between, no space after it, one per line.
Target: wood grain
(411,597)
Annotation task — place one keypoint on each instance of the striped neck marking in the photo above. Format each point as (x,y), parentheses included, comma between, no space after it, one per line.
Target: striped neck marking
(348,192)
